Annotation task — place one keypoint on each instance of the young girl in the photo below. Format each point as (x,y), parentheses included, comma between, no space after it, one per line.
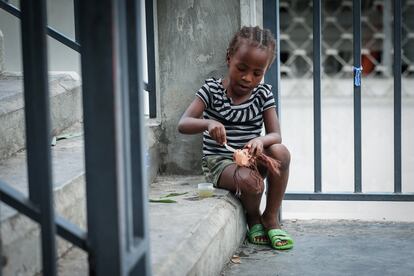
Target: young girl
(232,111)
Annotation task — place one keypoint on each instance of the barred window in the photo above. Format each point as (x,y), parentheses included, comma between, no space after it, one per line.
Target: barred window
(337,46)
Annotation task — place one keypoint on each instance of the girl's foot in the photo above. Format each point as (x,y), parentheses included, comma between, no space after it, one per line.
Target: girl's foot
(269,226)
(257,235)
(280,239)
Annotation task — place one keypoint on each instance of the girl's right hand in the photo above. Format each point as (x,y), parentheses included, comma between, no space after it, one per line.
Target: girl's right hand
(217,132)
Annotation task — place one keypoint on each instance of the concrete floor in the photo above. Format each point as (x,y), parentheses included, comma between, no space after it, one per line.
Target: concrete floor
(328,247)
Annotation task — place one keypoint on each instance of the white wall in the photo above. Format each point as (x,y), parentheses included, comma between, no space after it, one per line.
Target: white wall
(60,17)
(338,146)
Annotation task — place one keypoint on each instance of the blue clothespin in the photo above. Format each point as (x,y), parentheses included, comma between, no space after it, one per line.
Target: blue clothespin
(357,76)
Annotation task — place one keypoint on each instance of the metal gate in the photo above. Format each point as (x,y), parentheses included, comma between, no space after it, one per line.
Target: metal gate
(108,36)
(271,17)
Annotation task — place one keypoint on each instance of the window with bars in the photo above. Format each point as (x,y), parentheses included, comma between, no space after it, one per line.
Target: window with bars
(337,58)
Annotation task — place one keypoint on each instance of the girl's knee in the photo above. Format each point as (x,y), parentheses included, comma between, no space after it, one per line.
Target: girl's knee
(281,153)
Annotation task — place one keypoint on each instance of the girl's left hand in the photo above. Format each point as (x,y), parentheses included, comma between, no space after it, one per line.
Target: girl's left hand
(255,147)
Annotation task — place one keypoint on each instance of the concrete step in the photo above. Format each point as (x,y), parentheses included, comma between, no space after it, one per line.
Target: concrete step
(190,237)
(193,236)
(65,108)
(20,235)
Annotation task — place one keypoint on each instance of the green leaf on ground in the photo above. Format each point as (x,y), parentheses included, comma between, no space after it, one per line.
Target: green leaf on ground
(173,194)
(68,136)
(163,200)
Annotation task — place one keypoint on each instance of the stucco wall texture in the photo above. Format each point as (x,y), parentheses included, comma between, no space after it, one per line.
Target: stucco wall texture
(193,36)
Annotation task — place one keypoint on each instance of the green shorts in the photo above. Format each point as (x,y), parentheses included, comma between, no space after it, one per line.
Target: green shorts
(213,166)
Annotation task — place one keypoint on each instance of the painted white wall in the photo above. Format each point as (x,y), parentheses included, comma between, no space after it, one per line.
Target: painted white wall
(296,109)
(60,17)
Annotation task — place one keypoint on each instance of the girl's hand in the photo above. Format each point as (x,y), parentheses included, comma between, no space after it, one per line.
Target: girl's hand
(255,147)
(217,132)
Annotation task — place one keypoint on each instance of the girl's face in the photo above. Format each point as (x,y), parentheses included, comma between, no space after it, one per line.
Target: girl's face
(247,67)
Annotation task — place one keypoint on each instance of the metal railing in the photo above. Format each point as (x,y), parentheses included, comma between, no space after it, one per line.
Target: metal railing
(116,185)
(271,21)
(149,86)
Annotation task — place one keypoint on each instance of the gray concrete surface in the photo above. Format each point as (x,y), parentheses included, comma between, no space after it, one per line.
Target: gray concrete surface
(193,236)
(333,247)
(19,235)
(65,108)
(190,237)
(192,37)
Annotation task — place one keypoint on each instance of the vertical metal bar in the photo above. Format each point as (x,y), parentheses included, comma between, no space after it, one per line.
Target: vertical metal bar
(100,74)
(76,18)
(356,10)
(271,22)
(317,95)
(123,122)
(36,97)
(397,95)
(272,77)
(139,178)
(2,260)
(149,22)
(387,43)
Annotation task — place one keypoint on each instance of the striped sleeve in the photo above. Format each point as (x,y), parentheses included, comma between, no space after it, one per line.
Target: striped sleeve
(269,99)
(204,94)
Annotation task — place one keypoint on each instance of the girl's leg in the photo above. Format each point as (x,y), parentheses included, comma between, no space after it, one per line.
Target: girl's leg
(250,196)
(276,186)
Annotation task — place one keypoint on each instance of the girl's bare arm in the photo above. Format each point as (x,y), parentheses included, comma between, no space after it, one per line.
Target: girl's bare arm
(257,145)
(272,128)
(192,123)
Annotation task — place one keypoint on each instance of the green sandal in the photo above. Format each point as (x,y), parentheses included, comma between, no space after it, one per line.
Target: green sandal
(278,235)
(255,233)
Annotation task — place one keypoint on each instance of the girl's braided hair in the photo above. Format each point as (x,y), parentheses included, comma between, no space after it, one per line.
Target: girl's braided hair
(255,36)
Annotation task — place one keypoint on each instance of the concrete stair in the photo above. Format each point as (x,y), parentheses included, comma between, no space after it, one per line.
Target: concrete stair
(190,237)
(65,108)
(20,235)
(20,242)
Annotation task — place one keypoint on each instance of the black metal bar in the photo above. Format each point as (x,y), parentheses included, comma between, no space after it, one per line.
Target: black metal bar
(18,201)
(272,77)
(10,8)
(123,16)
(271,22)
(397,95)
(64,39)
(146,86)
(72,233)
(139,178)
(36,97)
(137,258)
(317,95)
(50,31)
(102,88)
(350,196)
(356,10)
(76,19)
(65,229)
(149,22)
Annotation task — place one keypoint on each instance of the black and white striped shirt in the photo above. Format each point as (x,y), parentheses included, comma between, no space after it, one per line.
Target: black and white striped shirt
(243,122)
